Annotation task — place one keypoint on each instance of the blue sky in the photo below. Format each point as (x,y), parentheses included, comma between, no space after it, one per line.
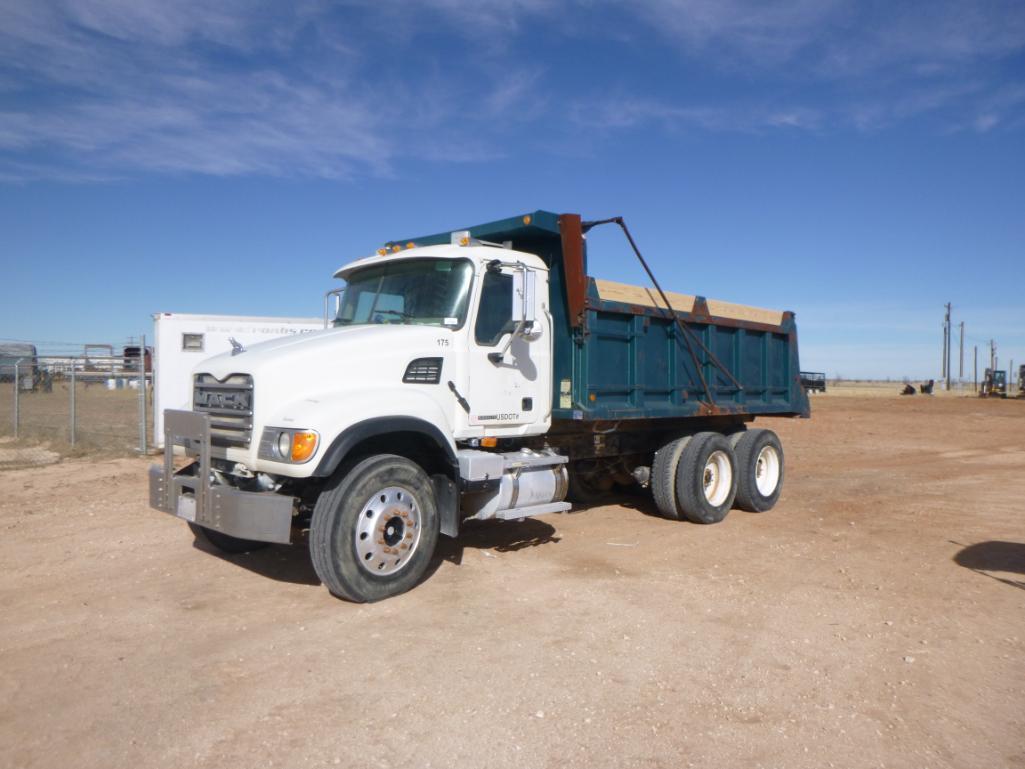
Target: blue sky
(860,163)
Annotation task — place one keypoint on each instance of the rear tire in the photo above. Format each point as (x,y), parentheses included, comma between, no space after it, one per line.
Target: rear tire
(759,470)
(374,529)
(706,478)
(225,542)
(663,478)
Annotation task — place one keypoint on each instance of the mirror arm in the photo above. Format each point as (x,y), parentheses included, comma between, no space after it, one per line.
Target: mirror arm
(336,292)
(499,357)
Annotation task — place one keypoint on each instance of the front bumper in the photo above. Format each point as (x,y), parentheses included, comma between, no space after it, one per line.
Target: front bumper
(190,494)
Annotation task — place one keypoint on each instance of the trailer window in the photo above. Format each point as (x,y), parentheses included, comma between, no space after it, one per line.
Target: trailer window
(494,318)
(192,342)
(429,292)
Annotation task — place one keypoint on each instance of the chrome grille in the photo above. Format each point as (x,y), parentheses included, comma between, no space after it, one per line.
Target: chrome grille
(229,402)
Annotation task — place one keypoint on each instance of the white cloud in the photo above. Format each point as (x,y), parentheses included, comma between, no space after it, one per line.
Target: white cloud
(623,111)
(843,37)
(101,88)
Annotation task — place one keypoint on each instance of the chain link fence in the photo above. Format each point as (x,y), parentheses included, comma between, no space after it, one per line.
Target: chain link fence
(52,407)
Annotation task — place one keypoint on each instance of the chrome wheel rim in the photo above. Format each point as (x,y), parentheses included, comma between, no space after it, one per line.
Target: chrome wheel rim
(767,471)
(717,478)
(387,531)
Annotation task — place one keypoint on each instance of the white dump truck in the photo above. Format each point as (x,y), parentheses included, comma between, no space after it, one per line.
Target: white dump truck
(477,374)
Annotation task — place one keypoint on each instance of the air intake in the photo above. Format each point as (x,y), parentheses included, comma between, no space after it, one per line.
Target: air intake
(423,371)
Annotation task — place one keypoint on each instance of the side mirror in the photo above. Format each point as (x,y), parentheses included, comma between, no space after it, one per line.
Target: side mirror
(523,298)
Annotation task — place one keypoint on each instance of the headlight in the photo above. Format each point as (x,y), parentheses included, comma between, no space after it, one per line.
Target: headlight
(285,444)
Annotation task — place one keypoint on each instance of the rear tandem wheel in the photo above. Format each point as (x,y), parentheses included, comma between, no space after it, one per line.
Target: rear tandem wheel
(759,470)
(706,478)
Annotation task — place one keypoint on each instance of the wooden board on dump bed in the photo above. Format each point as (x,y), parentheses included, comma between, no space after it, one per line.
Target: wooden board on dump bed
(649,297)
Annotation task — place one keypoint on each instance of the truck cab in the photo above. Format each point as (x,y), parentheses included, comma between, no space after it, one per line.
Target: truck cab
(455,338)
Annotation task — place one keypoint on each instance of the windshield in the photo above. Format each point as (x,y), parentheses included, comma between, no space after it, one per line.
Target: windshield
(429,292)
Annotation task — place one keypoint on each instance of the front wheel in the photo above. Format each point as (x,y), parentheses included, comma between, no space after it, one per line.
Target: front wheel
(374,530)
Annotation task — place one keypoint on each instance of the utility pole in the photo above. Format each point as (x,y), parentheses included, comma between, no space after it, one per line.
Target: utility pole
(943,358)
(992,355)
(946,347)
(975,377)
(960,370)
(1010,376)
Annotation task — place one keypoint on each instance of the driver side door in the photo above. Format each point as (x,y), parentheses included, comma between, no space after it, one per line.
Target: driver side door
(509,394)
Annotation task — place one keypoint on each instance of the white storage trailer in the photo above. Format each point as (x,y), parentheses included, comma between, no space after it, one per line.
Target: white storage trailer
(181,341)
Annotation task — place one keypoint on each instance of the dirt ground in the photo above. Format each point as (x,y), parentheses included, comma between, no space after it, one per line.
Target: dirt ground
(875,618)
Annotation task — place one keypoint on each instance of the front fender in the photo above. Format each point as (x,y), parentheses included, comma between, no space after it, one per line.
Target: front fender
(343,419)
(368,428)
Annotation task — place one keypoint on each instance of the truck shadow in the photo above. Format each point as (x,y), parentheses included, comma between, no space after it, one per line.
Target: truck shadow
(291,563)
(640,501)
(284,563)
(501,536)
(994,555)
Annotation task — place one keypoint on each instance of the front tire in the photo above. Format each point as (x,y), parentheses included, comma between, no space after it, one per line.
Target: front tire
(374,529)
(706,478)
(759,470)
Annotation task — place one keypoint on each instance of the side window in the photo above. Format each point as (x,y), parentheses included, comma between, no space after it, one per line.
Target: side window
(192,342)
(494,318)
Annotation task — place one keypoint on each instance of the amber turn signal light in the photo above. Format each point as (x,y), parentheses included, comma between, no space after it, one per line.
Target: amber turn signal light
(303,446)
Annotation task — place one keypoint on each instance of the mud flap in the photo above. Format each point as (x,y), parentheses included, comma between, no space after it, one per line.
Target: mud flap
(446,497)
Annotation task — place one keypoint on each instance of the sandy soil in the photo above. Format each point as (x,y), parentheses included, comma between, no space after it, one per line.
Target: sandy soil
(875,618)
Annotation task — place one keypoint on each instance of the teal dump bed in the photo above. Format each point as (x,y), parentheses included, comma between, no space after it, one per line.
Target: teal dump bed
(620,354)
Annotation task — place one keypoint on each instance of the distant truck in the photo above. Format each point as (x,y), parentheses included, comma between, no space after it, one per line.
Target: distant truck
(21,358)
(813,381)
(478,374)
(994,384)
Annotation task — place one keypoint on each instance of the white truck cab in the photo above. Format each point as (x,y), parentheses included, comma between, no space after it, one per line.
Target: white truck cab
(442,334)
(430,353)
